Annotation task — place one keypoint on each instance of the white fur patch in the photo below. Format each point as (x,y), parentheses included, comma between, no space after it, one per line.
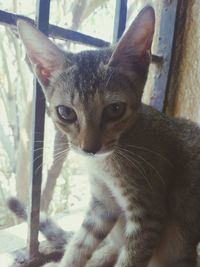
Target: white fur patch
(90,241)
(131,228)
(123,257)
(86,238)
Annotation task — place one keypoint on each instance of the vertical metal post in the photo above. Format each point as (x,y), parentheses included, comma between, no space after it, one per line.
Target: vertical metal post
(120,19)
(164,48)
(42,20)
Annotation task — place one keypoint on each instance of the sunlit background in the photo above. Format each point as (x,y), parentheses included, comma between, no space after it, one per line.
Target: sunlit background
(92,17)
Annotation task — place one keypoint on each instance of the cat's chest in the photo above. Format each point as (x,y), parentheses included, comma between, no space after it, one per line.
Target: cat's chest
(104,172)
(98,166)
(108,180)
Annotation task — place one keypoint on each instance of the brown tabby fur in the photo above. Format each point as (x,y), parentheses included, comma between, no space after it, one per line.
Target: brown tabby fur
(144,165)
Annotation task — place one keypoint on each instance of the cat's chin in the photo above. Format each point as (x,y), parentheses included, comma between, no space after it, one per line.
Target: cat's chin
(98,155)
(102,154)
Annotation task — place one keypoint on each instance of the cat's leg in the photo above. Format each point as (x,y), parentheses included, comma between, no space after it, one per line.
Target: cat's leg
(106,256)
(142,237)
(97,224)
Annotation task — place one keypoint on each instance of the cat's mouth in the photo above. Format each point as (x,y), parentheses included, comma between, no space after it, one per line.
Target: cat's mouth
(96,155)
(100,153)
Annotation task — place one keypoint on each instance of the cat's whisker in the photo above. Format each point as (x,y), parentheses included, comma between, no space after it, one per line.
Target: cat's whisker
(38,157)
(152,151)
(137,168)
(61,152)
(39,167)
(39,142)
(148,163)
(109,78)
(41,148)
(133,163)
(42,141)
(59,157)
(61,147)
(136,161)
(151,166)
(42,164)
(55,156)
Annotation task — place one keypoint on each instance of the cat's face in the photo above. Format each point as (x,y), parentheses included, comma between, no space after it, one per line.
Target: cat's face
(94,103)
(93,96)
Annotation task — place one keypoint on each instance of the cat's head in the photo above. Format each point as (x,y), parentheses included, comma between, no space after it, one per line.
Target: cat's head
(93,96)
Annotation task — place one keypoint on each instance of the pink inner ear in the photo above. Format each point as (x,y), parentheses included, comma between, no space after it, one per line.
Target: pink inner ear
(43,75)
(43,72)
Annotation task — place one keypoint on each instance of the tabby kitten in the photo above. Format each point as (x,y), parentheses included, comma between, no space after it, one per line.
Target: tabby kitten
(144,166)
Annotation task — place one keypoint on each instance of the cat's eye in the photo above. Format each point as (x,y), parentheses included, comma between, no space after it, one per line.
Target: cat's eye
(66,114)
(114,111)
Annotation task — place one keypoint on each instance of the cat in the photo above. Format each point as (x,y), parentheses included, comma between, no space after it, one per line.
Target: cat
(144,166)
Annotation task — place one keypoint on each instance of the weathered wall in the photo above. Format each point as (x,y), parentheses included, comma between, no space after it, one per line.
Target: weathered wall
(187,75)
(183,99)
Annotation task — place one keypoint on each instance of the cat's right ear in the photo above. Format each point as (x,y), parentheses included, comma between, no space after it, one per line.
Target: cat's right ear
(46,58)
(133,49)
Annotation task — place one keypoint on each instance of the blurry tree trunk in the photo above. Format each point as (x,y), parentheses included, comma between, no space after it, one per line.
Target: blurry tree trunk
(59,156)
(23,157)
(78,10)
(9,96)
(83,9)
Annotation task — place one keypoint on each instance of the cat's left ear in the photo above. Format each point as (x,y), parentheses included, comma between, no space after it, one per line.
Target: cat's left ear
(133,49)
(46,58)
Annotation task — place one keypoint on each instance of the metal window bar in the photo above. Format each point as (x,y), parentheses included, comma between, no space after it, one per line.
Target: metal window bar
(120,19)
(168,17)
(10,19)
(42,22)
